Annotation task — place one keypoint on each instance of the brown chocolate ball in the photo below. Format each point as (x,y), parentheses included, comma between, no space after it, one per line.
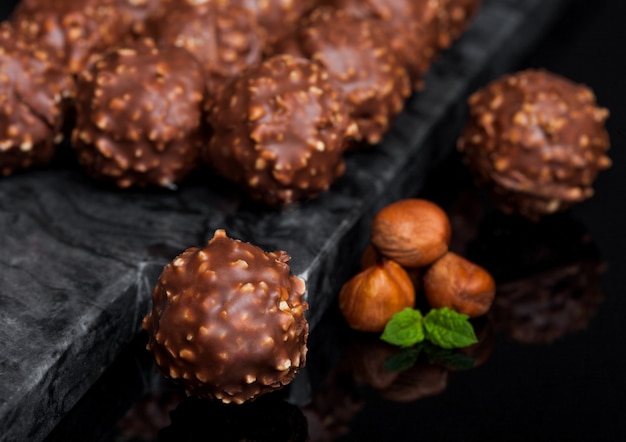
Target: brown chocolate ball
(276,17)
(279,131)
(33,100)
(228,320)
(224,39)
(356,54)
(72,29)
(139,115)
(453,18)
(536,141)
(411,28)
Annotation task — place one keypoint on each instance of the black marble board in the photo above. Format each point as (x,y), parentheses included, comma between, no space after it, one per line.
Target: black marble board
(79,260)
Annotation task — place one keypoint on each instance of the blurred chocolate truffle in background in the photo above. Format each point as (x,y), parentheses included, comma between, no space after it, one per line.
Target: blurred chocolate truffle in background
(227,320)
(73,30)
(536,141)
(410,26)
(139,115)
(357,56)
(33,101)
(548,274)
(224,39)
(276,17)
(453,18)
(279,131)
(138,11)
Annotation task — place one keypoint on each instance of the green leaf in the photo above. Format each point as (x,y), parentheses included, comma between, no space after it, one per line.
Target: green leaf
(449,329)
(404,329)
(402,360)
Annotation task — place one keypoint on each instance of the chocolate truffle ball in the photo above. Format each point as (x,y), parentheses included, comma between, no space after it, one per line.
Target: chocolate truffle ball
(223,39)
(228,320)
(139,115)
(453,18)
(357,56)
(411,28)
(276,17)
(33,92)
(279,131)
(536,141)
(72,29)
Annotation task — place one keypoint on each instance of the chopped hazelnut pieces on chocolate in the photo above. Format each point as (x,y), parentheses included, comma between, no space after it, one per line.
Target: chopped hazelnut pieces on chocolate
(228,320)
(33,92)
(279,131)
(356,54)
(73,30)
(536,141)
(223,39)
(139,115)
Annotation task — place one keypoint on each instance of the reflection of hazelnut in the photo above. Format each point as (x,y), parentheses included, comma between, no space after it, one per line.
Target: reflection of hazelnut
(454,282)
(417,382)
(413,232)
(370,298)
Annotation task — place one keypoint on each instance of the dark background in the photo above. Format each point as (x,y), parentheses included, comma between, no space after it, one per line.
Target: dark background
(571,388)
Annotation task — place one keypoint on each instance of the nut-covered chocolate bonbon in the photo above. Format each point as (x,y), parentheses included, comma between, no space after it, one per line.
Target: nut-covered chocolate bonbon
(228,320)
(536,141)
(356,54)
(33,92)
(276,17)
(411,28)
(72,29)
(139,115)
(279,131)
(223,39)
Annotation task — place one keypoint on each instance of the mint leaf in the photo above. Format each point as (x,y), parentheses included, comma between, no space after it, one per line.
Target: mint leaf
(403,360)
(404,329)
(448,328)
(457,360)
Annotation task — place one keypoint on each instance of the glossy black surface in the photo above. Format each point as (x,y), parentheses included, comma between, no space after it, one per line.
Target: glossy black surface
(552,369)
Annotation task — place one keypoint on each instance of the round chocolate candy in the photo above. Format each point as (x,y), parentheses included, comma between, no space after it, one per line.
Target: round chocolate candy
(72,29)
(224,39)
(139,115)
(411,28)
(33,100)
(279,131)
(227,320)
(536,141)
(356,54)
(276,17)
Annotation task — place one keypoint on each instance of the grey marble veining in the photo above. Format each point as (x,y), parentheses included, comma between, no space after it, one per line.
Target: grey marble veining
(78,260)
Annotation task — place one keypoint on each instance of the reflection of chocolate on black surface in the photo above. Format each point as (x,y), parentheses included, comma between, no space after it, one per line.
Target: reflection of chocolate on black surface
(268,419)
(548,275)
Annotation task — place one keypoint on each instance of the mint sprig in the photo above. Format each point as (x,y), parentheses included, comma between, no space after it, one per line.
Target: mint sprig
(435,334)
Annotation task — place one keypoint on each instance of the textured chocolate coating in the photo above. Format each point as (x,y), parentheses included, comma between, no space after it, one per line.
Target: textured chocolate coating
(411,28)
(452,18)
(536,141)
(356,54)
(279,131)
(228,320)
(72,29)
(33,92)
(224,39)
(276,17)
(139,115)
(138,11)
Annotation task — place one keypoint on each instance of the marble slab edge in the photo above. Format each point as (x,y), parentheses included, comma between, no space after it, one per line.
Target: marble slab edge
(68,337)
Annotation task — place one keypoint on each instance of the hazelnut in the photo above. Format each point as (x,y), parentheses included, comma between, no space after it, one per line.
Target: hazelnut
(413,232)
(457,283)
(370,298)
